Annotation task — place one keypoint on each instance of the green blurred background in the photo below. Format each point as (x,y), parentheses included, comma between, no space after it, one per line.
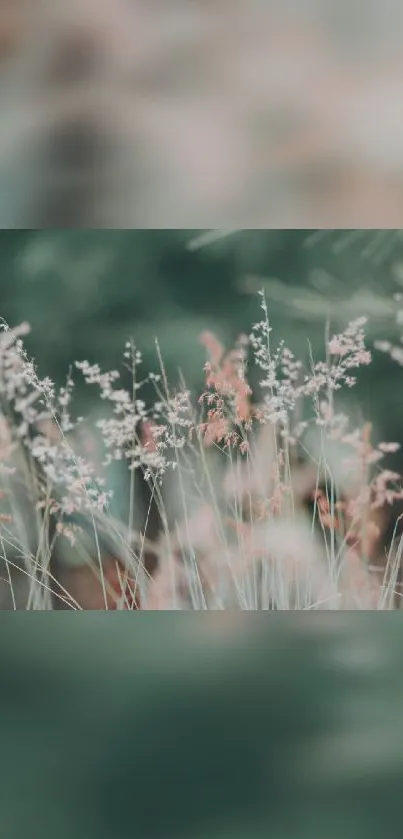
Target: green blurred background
(285,727)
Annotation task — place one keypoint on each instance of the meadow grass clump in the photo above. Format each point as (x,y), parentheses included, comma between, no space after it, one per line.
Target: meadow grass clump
(266,499)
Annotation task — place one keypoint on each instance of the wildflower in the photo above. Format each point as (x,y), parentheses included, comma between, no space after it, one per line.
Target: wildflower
(228,394)
(250,534)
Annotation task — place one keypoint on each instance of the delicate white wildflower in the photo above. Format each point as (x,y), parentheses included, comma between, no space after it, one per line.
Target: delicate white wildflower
(283,373)
(347,351)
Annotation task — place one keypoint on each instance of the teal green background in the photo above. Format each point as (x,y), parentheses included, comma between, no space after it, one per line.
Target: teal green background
(130,725)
